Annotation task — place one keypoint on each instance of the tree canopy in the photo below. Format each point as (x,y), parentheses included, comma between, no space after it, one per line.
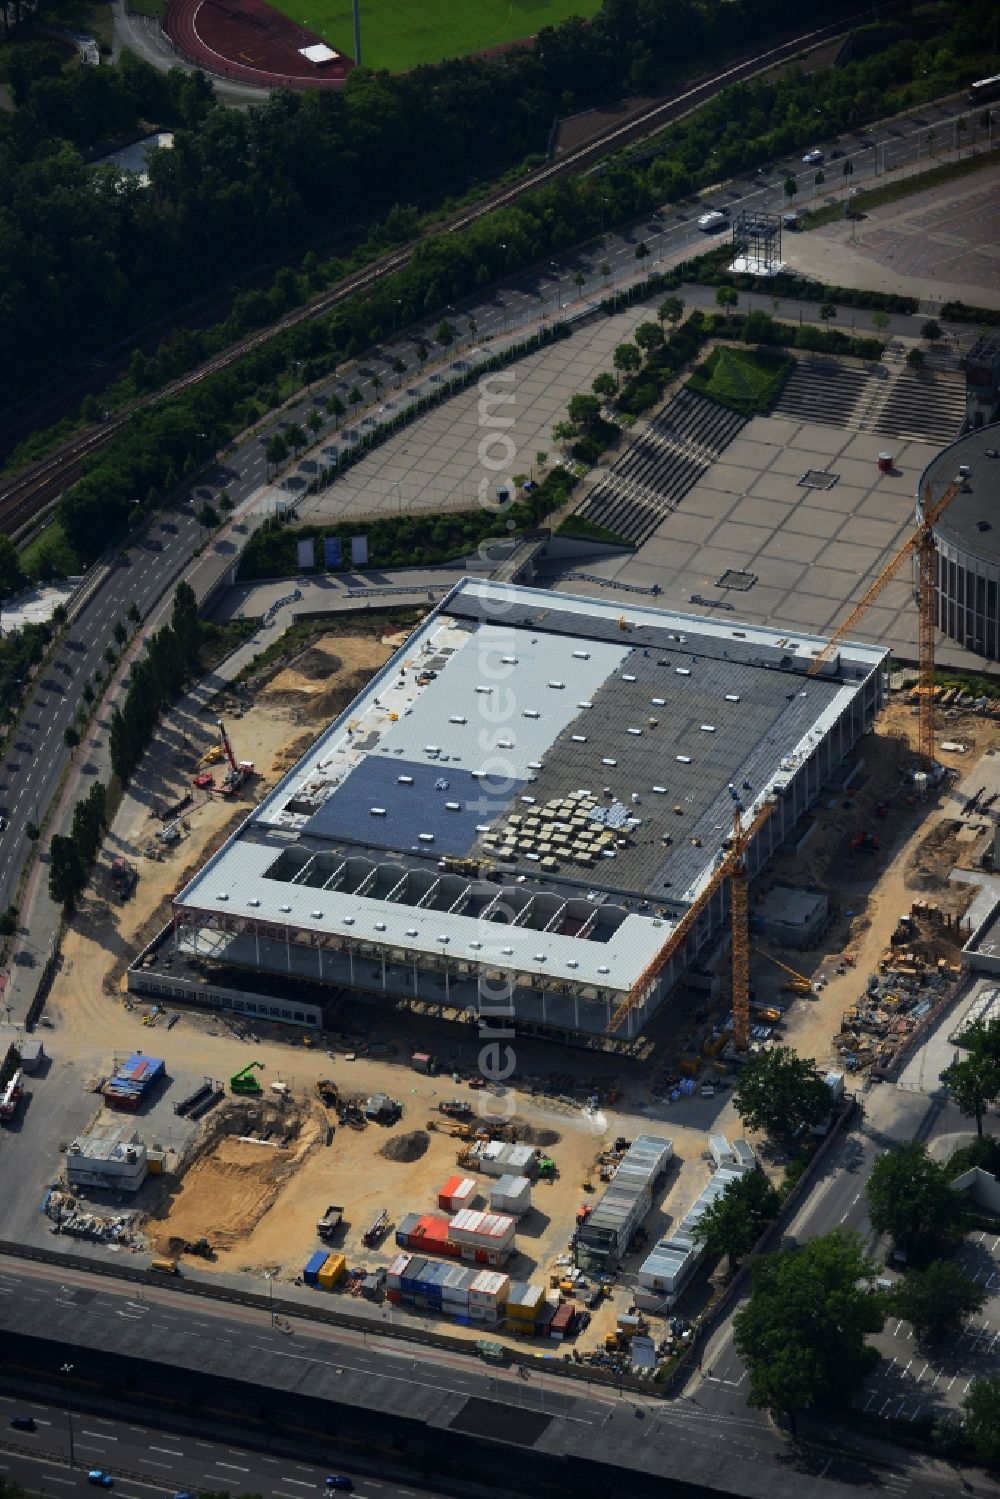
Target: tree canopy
(781,1092)
(803,1331)
(911,1199)
(982,1419)
(937,1301)
(974,1084)
(734,1222)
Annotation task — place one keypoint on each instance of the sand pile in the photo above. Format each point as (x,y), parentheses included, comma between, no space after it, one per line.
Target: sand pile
(409,1147)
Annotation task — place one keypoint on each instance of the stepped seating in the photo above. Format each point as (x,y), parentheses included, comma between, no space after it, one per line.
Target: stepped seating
(659,468)
(821,390)
(925,404)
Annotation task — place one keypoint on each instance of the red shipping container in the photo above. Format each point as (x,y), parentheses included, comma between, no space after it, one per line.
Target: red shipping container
(396,1296)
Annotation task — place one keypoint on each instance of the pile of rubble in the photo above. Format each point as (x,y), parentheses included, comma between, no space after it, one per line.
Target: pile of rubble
(68,1218)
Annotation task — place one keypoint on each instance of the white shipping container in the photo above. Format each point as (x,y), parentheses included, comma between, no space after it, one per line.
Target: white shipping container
(511,1195)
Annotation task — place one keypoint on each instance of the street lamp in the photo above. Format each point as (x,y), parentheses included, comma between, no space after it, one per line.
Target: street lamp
(500,249)
(68,1369)
(270,1293)
(395,311)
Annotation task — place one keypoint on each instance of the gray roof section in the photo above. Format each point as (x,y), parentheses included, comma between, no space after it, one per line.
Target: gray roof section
(960,524)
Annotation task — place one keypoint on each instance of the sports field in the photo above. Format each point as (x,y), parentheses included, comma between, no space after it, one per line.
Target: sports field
(399,34)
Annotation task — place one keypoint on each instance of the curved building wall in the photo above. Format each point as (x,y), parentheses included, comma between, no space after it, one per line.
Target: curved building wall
(968,576)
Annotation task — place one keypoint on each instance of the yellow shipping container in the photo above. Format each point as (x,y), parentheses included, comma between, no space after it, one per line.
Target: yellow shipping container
(330,1273)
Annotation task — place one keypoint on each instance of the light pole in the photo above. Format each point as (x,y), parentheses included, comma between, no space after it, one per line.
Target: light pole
(270,1293)
(558,279)
(68,1369)
(501,247)
(395,311)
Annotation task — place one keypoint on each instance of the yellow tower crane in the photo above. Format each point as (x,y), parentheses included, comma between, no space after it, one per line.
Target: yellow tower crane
(732,865)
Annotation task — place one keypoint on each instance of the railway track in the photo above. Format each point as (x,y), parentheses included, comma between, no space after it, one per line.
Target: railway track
(26,495)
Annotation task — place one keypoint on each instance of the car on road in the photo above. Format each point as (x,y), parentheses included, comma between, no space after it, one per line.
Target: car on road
(185,1494)
(339,1481)
(101,1477)
(714,219)
(24,1423)
(813,158)
(4,823)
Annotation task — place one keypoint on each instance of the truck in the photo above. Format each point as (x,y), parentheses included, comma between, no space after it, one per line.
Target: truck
(11,1097)
(455,1108)
(330,1221)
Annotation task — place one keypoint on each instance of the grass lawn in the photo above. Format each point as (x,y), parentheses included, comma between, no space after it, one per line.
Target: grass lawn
(398,34)
(746,381)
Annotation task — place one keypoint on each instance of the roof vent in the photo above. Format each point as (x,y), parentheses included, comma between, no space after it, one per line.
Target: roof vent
(658,702)
(508,950)
(316,915)
(661,789)
(453,806)
(443,937)
(683,671)
(509,660)
(683,759)
(584,705)
(627,677)
(253,901)
(222,895)
(286,909)
(531,713)
(603,969)
(348,920)
(457,718)
(732,697)
(484,689)
(476,945)
(983,525)
(635,731)
(404,780)
(377,811)
(581,655)
(579,738)
(606,761)
(426,837)
(572,963)
(708,728)
(380,926)
(557,684)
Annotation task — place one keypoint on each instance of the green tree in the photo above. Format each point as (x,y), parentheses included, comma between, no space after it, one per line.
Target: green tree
(781,1093)
(70,737)
(11,573)
(848,168)
(422,353)
(649,337)
(133,615)
(336,408)
(119,632)
(208,516)
(803,1332)
(880,321)
(671,310)
(66,872)
(276,450)
(604,385)
(727,297)
(605,270)
(295,437)
(8,926)
(87,693)
(974,1084)
(641,250)
(627,359)
(790,188)
(982,1419)
(444,333)
(185,625)
(541,458)
(734,1222)
(563,432)
(915,358)
(314,421)
(399,370)
(910,1198)
(354,396)
(982,1038)
(226,502)
(578,281)
(827,310)
(931,330)
(936,1301)
(584,411)
(32,832)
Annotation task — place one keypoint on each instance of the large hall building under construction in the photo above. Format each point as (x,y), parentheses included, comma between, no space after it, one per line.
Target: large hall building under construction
(511,818)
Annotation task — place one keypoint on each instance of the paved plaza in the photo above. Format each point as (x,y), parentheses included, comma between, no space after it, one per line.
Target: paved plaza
(809,553)
(485,435)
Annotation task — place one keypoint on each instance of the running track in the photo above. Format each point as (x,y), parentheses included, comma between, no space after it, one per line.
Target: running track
(206,37)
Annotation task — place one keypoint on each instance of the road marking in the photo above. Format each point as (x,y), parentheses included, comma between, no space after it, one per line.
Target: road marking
(104,1435)
(235,1466)
(170,1451)
(153,1464)
(87,1447)
(299,1483)
(54,1478)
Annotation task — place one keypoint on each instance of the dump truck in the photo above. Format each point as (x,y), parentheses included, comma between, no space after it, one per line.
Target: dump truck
(330,1221)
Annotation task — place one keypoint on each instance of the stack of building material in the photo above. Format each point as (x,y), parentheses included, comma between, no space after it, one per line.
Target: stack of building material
(457,1193)
(512,1194)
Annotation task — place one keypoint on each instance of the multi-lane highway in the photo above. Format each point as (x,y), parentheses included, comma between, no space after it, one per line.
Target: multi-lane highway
(57,1456)
(37,758)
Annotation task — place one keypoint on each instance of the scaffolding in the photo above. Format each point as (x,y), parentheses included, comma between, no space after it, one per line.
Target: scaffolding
(757,242)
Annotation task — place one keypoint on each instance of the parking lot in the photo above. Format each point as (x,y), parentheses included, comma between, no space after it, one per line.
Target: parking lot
(912,1381)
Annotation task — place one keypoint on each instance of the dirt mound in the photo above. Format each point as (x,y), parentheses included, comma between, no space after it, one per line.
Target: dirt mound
(316,663)
(529,1134)
(407,1148)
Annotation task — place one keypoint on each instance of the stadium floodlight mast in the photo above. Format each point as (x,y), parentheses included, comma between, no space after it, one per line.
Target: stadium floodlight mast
(357,33)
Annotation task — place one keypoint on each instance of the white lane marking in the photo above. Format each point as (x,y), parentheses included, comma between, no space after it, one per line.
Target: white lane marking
(54,1478)
(105,1436)
(235,1466)
(153,1464)
(170,1451)
(298,1482)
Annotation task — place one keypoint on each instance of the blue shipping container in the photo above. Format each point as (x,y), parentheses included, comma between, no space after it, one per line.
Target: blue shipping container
(314,1265)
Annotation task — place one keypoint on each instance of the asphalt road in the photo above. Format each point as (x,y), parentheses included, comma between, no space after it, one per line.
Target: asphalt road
(32,769)
(58,1455)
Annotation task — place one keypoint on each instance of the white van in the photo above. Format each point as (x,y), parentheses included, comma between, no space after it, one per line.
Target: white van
(712,220)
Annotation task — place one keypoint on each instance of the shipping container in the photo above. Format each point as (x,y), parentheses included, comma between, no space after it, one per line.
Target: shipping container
(524,1299)
(562,1320)
(394,1296)
(457,1193)
(332,1271)
(511,1195)
(405,1229)
(313,1266)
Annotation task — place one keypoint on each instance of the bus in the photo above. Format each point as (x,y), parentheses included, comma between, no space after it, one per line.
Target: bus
(984,90)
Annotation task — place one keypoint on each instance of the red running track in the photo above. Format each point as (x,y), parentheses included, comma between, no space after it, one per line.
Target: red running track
(247,41)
